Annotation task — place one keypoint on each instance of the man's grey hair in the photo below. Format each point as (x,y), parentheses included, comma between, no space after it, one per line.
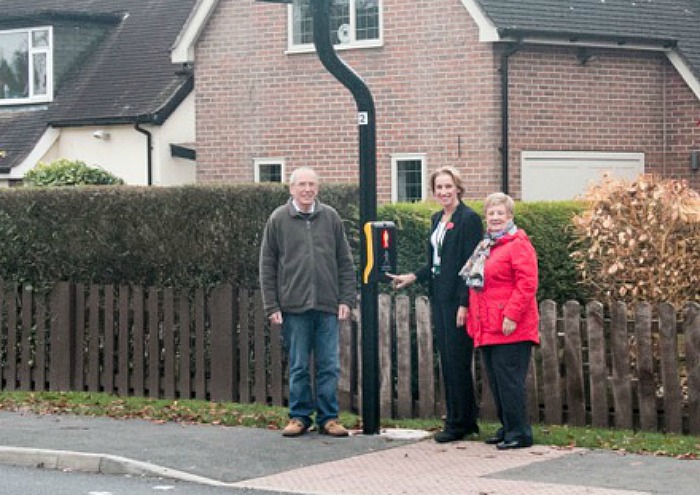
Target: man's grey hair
(295,174)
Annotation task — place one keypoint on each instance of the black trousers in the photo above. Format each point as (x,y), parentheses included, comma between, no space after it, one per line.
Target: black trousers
(507,366)
(456,350)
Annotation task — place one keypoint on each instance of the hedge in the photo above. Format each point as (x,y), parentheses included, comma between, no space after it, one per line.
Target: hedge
(191,236)
(548,224)
(201,236)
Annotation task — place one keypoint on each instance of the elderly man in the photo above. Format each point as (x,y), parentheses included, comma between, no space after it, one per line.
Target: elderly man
(308,284)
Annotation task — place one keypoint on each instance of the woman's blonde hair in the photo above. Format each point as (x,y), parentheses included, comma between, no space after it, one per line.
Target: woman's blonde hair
(499,198)
(456,178)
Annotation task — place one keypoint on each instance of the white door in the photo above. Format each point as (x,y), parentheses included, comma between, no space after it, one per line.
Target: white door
(560,175)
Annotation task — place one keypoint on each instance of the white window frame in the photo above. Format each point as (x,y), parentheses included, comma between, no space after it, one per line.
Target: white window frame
(258,162)
(33,52)
(396,158)
(569,168)
(352,44)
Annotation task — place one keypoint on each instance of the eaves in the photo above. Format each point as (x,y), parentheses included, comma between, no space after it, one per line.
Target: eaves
(156,117)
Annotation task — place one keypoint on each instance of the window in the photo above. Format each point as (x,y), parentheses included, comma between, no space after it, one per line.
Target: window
(408,178)
(560,175)
(25,65)
(354,23)
(269,170)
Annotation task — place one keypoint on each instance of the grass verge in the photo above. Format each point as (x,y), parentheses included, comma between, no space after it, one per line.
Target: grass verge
(258,416)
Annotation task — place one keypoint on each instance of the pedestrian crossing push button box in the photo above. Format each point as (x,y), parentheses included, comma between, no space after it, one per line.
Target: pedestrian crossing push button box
(381,251)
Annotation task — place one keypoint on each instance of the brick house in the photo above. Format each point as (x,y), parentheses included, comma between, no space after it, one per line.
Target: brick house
(533,97)
(93,81)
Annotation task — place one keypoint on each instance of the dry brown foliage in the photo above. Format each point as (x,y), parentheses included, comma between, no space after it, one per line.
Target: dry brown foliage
(640,241)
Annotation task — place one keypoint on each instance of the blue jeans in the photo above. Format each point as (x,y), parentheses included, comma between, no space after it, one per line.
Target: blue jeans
(306,334)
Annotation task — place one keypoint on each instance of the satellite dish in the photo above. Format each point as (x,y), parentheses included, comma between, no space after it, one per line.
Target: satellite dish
(344,33)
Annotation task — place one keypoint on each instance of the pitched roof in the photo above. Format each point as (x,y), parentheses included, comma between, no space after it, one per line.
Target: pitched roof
(664,22)
(128,77)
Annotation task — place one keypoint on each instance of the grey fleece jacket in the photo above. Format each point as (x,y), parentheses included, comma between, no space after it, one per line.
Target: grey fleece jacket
(306,264)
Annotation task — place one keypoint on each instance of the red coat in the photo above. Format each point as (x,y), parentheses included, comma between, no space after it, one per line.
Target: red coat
(510,287)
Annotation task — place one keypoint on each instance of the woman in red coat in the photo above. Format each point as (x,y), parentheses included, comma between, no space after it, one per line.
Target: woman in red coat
(503,319)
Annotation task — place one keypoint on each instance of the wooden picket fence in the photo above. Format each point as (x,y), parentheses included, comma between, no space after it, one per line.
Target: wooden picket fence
(596,366)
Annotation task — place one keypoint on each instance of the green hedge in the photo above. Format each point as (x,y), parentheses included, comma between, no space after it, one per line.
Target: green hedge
(200,236)
(179,237)
(547,223)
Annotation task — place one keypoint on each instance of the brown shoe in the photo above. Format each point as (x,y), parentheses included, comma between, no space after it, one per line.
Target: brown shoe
(333,428)
(294,428)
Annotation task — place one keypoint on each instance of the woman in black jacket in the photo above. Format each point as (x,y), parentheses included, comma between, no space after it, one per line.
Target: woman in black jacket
(455,232)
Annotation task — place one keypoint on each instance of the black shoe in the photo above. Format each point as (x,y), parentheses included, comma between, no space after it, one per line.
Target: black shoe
(472,431)
(513,444)
(493,440)
(445,436)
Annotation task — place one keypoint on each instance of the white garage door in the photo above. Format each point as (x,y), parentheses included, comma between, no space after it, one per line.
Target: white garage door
(558,175)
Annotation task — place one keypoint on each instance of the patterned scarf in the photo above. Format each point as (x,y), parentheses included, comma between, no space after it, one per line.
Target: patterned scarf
(473,270)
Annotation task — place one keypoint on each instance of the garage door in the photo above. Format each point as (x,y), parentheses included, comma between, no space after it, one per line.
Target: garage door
(559,175)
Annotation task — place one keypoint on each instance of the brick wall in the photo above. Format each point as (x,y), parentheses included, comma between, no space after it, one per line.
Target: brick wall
(618,100)
(434,87)
(436,90)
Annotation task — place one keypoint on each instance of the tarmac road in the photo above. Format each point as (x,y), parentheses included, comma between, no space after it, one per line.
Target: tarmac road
(264,462)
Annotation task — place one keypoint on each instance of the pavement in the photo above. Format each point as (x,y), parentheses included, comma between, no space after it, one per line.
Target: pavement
(393,462)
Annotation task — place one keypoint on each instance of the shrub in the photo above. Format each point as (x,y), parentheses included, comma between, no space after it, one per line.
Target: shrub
(640,241)
(64,172)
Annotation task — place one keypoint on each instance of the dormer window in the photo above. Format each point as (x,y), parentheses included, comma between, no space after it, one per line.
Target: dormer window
(354,24)
(26,66)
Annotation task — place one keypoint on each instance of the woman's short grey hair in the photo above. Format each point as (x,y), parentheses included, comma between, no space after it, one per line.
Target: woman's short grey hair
(499,198)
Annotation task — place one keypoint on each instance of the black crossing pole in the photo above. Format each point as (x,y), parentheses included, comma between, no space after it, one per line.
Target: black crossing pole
(368,203)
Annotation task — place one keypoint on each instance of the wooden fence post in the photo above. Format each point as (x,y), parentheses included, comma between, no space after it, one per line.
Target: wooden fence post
(622,388)
(3,371)
(186,343)
(154,344)
(575,396)
(11,345)
(670,379)
(169,351)
(550,363)
(426,360)
(278,363)
(691,330)
(123,378)
(139,338)
(200,377)
(598,374)
(260,365)
(385,375)
(40,382)
(25,369)
(222,345)
(645,368)
(404,392)
(345,380)
(62,310)
(109,372)
(92,380)
(245,391)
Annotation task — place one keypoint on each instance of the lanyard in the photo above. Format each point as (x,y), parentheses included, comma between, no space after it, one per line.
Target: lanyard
(438,240)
